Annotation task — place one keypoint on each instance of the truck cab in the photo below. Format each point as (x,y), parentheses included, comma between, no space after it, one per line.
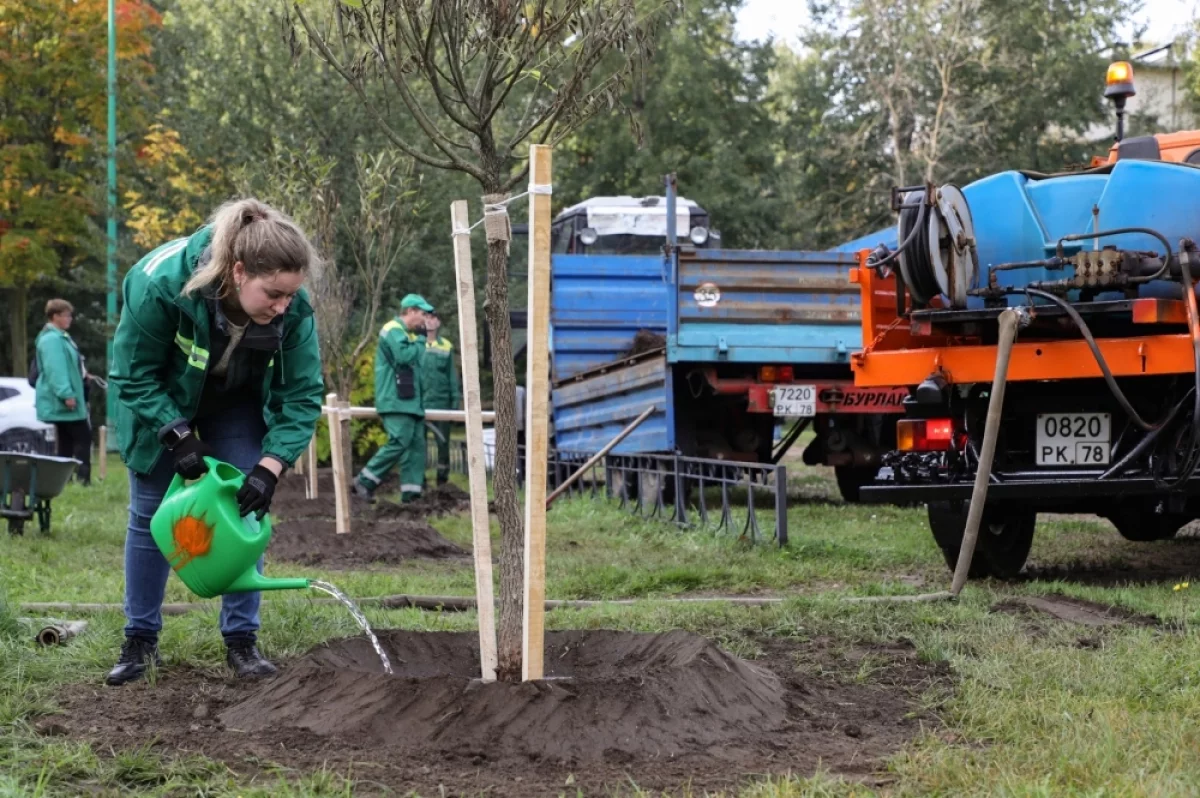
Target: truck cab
(627,226)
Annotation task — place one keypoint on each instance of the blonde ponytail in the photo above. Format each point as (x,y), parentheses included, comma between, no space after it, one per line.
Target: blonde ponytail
(262,238)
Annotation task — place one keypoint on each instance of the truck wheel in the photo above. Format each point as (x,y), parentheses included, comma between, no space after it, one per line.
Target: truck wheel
(851,478)
(1005,537)
(1138,522)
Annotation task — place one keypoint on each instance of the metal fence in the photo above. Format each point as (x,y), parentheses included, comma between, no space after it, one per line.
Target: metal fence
(748,499)
(695,492)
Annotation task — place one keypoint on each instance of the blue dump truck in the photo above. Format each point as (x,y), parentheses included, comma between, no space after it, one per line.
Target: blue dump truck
(727,345)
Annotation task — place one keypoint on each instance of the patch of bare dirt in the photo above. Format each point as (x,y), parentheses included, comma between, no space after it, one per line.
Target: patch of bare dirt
(1074,610)
(663,710)
(315,541)
(290,502)
(383,533)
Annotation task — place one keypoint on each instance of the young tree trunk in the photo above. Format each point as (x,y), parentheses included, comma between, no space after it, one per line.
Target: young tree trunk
(17,320)
(508,510)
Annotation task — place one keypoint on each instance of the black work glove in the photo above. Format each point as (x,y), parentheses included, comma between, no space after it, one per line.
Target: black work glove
(189,456)
(256,492)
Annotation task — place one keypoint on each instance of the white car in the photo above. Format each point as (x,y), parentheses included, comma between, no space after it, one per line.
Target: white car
(20,431)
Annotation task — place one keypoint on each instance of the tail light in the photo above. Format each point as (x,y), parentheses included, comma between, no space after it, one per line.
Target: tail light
(924,434)
(776,374)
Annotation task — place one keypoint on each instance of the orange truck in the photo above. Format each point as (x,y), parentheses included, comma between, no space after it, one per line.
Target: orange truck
(1046,331)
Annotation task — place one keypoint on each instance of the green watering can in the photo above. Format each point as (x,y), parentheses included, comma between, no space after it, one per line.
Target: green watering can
(212,548)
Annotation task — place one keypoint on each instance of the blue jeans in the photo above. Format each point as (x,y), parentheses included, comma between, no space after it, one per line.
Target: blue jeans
(235,436)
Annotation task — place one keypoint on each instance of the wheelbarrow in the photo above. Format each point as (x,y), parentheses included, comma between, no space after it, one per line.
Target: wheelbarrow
(27,484)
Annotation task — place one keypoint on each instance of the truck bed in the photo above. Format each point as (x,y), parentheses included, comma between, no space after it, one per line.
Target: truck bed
(758,306)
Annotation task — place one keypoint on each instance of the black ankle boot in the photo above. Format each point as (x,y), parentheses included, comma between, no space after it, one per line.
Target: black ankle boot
(137,654)
(243,657)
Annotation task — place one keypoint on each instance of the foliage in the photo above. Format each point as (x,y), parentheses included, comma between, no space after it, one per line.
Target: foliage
(52,131)
(942,90)
(173,190)
(700,109)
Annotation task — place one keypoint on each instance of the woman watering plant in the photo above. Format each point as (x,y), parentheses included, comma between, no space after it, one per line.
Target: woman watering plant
(215,355)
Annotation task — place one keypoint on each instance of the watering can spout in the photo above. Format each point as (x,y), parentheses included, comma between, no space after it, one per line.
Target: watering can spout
(252,581)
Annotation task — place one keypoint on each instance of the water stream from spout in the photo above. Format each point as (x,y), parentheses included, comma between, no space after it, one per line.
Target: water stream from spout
(325,587)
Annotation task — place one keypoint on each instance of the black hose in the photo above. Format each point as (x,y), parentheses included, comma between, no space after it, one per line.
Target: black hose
(891,256)
(1189,294)
(1118,394)
(1192,459)
(1117,231)
(1147,440)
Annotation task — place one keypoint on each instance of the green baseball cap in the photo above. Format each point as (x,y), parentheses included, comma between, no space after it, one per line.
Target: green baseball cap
(415,301)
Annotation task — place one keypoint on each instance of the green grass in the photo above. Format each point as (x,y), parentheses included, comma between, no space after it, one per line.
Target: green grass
(1032,711)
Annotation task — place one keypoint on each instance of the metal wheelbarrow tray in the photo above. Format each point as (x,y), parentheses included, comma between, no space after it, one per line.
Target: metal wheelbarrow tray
(27,484)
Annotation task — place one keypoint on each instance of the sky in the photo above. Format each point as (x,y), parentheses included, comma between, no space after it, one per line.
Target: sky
(761,18)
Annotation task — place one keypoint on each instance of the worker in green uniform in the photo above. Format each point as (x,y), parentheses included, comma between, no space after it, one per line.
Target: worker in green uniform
(60,399)
(398,387)
(441,389)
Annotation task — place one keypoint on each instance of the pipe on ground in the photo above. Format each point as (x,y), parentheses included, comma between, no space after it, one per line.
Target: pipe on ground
(59,632)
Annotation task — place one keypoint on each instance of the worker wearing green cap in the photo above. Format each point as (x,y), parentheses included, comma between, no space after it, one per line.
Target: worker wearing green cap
(398,400)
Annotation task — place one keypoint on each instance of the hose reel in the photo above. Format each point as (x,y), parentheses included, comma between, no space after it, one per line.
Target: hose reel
(941,258)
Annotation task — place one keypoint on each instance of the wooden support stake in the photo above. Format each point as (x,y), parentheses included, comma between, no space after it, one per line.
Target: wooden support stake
(537,395)
(476,472)
(312,468)
(299,467)
(102,455)
(608,447)
(341,501)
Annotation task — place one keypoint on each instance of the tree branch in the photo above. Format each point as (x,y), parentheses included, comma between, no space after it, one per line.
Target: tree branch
(391,134)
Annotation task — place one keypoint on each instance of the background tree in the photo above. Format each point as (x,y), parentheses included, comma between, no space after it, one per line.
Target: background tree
(941,90)
(52,113)
(699,109)
(168,195)
(482,79)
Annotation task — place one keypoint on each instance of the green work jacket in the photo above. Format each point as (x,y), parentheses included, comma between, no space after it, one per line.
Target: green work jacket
(59,378)
(441,388)
(161,360)
(406,350)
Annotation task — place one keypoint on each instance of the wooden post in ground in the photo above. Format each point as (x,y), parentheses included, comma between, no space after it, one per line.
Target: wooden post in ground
(312,468)
(537,396)
(481,541)
(299,467)
(341,500)
(102,455)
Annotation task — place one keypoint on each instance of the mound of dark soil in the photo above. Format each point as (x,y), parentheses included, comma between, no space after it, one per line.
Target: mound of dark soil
(315,541)
(383,532)
(666,711)
(618,697)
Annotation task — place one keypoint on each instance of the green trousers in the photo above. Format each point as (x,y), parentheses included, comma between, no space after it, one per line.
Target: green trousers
(443,449)
(406,446)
